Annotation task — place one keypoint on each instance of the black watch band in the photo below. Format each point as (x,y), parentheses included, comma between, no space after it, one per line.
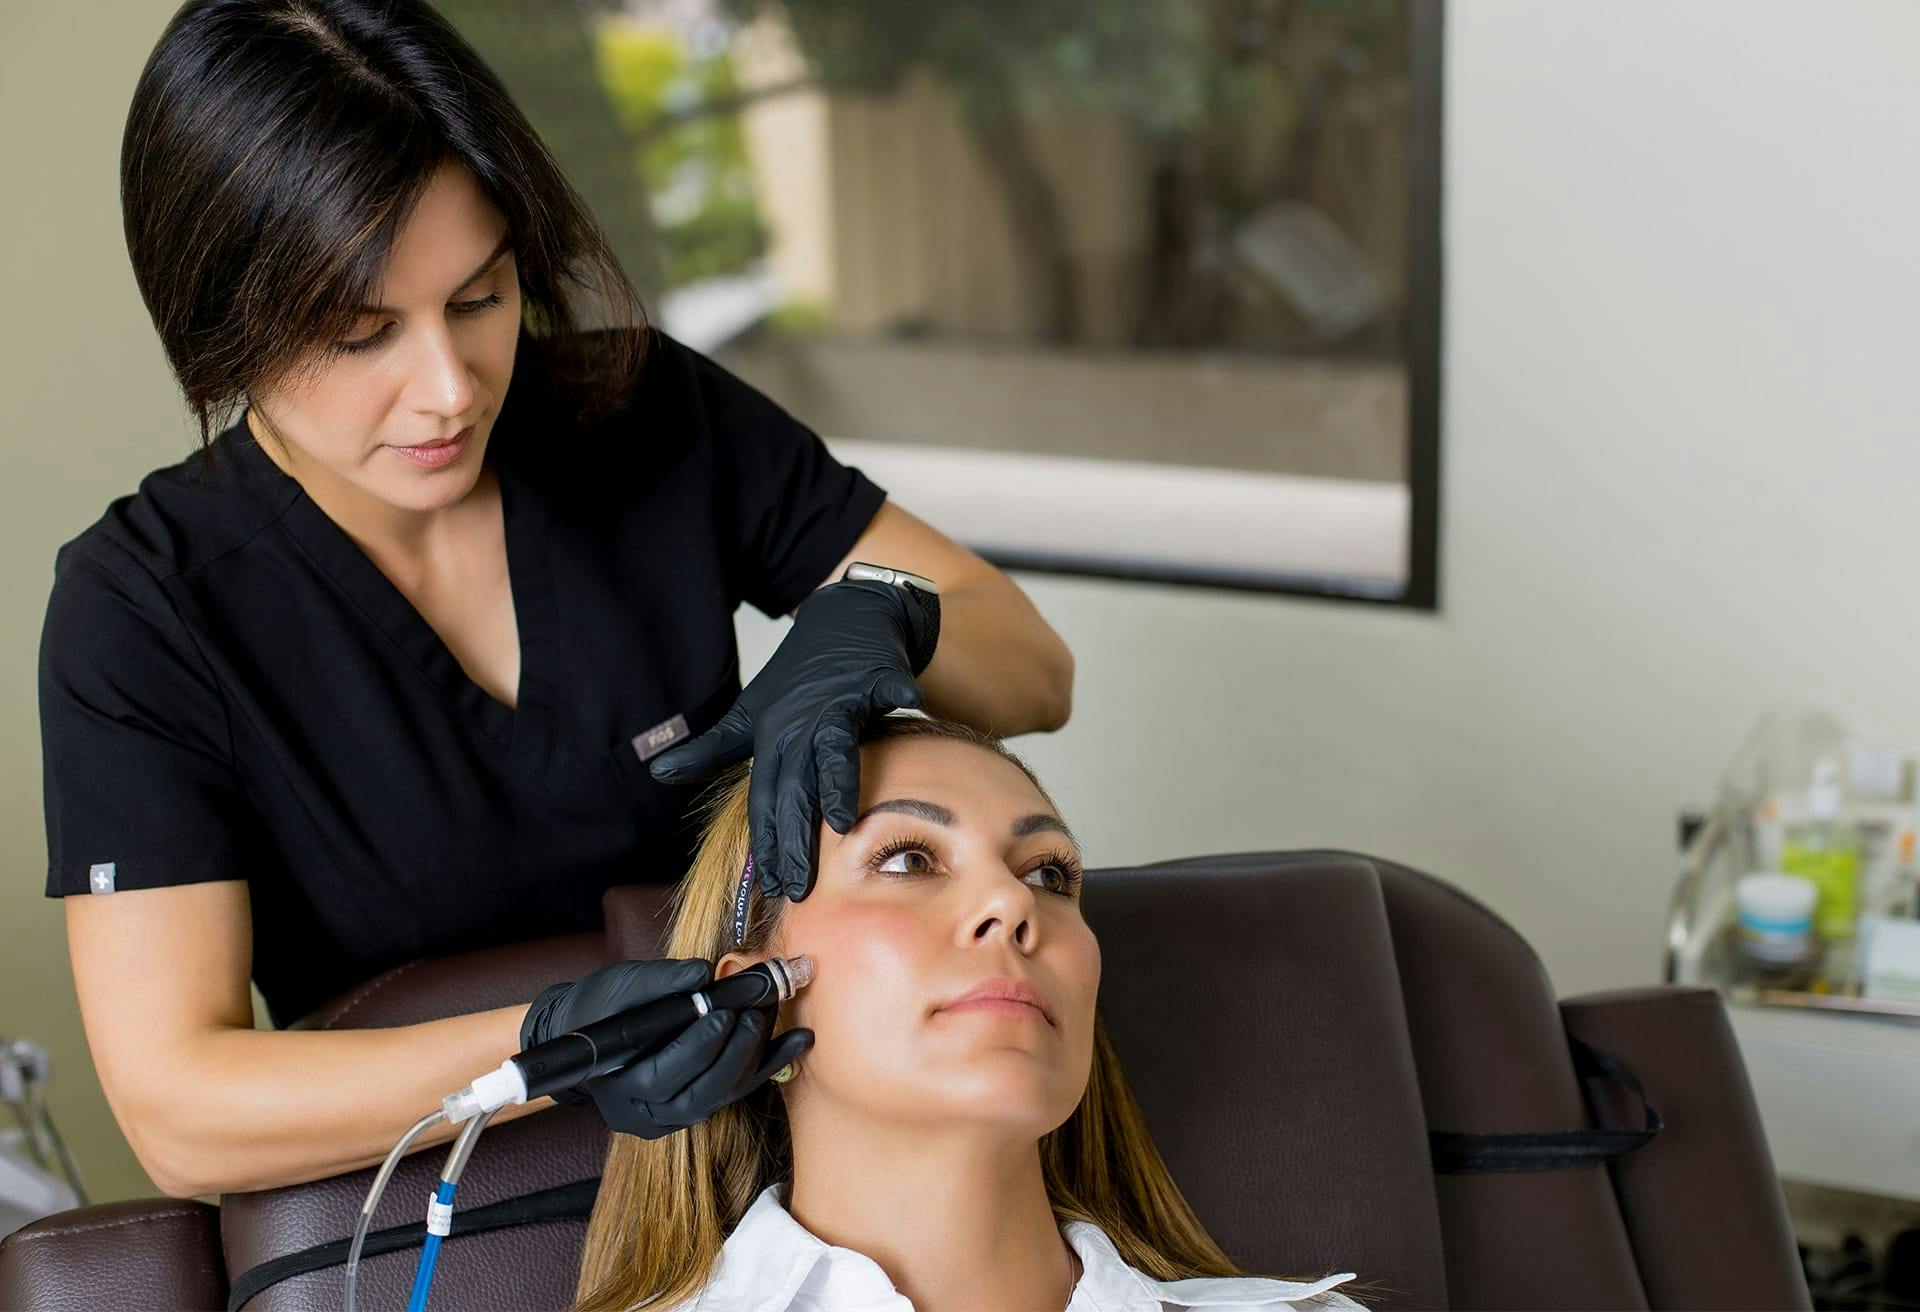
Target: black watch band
(929,604)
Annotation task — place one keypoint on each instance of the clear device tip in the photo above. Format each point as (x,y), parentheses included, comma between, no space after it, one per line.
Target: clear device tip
(800,971)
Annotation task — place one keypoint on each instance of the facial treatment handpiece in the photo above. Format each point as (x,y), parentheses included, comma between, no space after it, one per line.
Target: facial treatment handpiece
(566,1060)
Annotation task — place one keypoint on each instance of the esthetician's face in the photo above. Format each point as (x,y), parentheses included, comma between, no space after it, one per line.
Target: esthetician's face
(956,885)
(431,364)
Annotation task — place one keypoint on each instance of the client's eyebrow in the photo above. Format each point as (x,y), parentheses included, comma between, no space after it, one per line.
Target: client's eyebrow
(934,813)
(465,282)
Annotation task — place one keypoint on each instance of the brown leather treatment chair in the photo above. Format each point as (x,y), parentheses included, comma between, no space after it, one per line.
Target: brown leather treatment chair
(1404,1041)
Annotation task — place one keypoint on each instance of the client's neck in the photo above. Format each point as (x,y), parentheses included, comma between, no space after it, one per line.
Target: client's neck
(958,1219)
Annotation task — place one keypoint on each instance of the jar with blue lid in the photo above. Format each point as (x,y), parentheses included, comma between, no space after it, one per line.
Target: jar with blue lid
(1774,918)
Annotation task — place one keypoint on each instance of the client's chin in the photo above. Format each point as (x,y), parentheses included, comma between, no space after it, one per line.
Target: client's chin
(1022,1094)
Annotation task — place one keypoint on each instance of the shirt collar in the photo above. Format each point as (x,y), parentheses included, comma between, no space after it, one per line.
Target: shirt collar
(1108,1284)
(770,1260)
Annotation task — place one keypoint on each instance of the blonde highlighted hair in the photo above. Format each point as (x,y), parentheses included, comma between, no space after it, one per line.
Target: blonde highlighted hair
(667,1205)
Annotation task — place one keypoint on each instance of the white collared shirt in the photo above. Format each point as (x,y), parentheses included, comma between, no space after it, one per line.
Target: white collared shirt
(771,1263)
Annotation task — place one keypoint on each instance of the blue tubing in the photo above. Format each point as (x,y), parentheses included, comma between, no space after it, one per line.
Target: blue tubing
(423,1274)
(429,1254)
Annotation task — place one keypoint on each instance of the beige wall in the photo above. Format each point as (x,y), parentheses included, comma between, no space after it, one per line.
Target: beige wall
(88,408)
(1681,466)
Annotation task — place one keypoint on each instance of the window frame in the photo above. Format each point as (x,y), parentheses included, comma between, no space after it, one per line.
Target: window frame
(1421,591)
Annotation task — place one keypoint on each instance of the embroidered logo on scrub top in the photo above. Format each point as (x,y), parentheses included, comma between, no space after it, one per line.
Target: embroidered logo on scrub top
(657,739)
(100,878)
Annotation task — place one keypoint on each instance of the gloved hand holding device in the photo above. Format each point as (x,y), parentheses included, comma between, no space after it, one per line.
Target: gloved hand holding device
(716,1060)
(854,651)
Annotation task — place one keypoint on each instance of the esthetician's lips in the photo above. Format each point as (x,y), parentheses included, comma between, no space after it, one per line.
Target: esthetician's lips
(432,455)
(1008,996)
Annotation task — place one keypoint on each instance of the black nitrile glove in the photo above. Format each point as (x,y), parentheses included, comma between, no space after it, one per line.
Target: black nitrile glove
(718,1059)
(846,660)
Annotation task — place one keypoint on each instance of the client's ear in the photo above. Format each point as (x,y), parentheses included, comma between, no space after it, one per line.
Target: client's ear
(733,963)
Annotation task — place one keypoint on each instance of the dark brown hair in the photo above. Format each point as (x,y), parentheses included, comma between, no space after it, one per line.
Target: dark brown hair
(272,152)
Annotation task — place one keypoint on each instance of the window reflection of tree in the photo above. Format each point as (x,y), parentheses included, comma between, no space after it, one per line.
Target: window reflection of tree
(1242,106)
(544,50)
(1146,187)
(1273,128)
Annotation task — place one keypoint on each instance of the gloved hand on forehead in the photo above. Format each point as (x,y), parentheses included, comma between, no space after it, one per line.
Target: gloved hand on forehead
(848,659)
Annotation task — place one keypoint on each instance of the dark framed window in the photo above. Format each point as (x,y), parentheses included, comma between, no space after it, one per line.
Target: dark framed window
(1148,290)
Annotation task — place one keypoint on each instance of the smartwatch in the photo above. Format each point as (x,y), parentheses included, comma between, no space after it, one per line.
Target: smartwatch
(923,592)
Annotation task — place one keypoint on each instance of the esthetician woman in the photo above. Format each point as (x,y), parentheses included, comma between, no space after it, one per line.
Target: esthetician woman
(435,641)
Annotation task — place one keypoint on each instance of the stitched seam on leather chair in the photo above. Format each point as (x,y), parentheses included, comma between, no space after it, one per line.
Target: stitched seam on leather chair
(142,1219)
(371,989)
(1465,899)
(1198,865)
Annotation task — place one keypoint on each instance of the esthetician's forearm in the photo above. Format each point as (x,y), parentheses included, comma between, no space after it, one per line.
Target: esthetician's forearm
(255,1109)
(999,666)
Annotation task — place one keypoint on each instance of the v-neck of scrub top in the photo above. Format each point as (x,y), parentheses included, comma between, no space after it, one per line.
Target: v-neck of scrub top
(524,730)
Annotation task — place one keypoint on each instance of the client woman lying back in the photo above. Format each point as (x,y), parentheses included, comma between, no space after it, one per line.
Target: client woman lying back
(960,1135)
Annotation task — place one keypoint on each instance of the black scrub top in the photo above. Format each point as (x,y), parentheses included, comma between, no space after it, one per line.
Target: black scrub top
(231,689)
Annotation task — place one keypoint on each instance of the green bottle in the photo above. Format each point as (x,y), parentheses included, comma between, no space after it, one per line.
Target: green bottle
(1825,849)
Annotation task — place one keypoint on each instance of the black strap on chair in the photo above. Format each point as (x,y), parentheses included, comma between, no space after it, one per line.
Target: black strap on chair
(562,1202)
(1555,1150)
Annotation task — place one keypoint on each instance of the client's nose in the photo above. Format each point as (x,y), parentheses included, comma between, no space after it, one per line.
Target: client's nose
(1006,912)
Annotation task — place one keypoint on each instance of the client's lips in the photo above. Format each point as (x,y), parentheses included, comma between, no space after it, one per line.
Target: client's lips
(1000,992)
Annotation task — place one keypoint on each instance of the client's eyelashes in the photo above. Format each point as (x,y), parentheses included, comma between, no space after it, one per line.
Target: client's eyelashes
(901,847)
(1066,867)
(1063,867)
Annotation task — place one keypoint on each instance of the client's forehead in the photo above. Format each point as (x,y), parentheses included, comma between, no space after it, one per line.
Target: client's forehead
(973,782)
